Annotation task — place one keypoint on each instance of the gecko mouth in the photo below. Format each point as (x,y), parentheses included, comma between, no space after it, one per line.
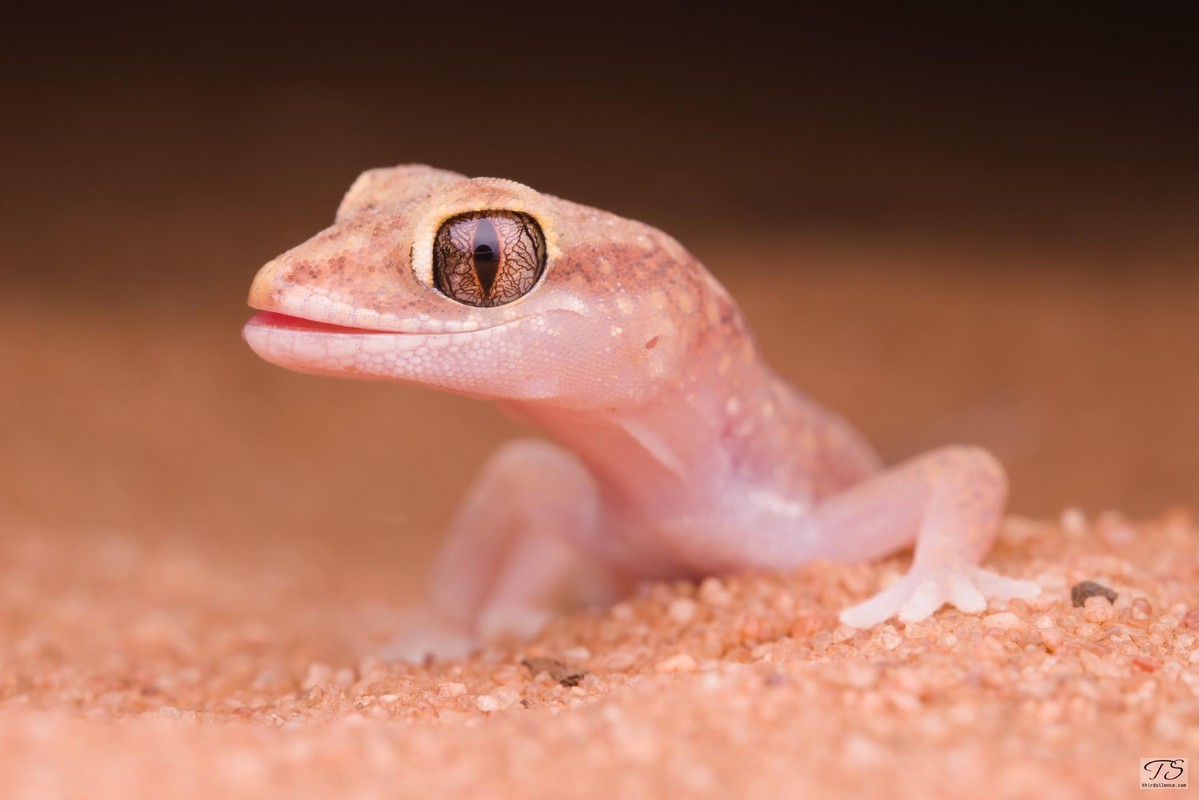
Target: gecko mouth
(324,348)
(285,327)
(277,321)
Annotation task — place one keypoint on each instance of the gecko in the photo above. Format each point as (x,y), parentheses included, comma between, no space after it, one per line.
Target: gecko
(675,451)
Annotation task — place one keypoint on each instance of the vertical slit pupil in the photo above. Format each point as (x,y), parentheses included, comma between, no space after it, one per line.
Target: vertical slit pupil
(486,254)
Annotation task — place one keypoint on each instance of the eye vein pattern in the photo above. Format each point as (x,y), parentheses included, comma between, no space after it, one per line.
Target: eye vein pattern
(466,275)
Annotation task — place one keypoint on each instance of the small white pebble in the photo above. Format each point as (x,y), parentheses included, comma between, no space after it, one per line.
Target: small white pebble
(1097,610)
(861,676)
(620,660)
(1097,665)
(682,610)
(889,638)
(1005,620)
(318,673)
(860,750)
(678,663)
(843,633)
(1073,521)
(1018,530)
(1168,727)
(1053,637)
(963,714)
(451,689)
(576,653)
(905,703)
(506,695)
(713,592)
(1116,528)
(498,700)
(622,612)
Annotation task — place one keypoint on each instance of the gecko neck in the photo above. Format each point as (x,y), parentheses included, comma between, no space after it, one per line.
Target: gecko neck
(691,442)
(659,456)
(643,456)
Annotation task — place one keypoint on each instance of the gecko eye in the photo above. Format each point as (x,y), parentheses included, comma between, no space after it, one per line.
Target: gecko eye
(488,258)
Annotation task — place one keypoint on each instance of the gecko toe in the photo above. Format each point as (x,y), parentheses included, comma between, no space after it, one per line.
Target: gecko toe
(964,595)
(919,594)
(925,598)
(879,608)
(999,587)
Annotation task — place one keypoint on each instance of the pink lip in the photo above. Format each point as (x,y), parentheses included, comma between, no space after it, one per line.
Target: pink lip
(271,319)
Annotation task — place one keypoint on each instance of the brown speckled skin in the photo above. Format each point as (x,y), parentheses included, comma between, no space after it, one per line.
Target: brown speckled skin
(692,454)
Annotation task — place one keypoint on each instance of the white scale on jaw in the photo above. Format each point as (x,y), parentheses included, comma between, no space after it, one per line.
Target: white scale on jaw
(331,349)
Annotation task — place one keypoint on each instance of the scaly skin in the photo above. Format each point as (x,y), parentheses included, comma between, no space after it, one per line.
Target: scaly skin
(679,451)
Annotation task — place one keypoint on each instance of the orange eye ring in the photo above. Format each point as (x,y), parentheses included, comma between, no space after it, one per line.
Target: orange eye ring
(488,258)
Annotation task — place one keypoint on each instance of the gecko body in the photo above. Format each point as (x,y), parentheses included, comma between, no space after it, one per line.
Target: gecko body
(677,451)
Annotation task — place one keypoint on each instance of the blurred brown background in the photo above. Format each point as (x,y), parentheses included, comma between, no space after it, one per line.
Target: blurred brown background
(949,224)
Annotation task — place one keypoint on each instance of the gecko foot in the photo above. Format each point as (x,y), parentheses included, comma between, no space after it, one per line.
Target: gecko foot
(918,594)
(428,634)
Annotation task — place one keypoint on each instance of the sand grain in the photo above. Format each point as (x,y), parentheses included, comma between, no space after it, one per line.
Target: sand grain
(153,672)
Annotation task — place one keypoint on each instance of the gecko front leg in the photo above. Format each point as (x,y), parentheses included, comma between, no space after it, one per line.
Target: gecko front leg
(516,545)
(950,501)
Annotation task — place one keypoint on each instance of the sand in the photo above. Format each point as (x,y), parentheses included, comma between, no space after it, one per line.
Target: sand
(201,558)
(132,670)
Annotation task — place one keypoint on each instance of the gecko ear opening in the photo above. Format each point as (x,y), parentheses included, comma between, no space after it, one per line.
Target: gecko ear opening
(488,258)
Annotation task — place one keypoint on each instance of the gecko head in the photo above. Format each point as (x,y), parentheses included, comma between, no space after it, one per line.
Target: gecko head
(485,287)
